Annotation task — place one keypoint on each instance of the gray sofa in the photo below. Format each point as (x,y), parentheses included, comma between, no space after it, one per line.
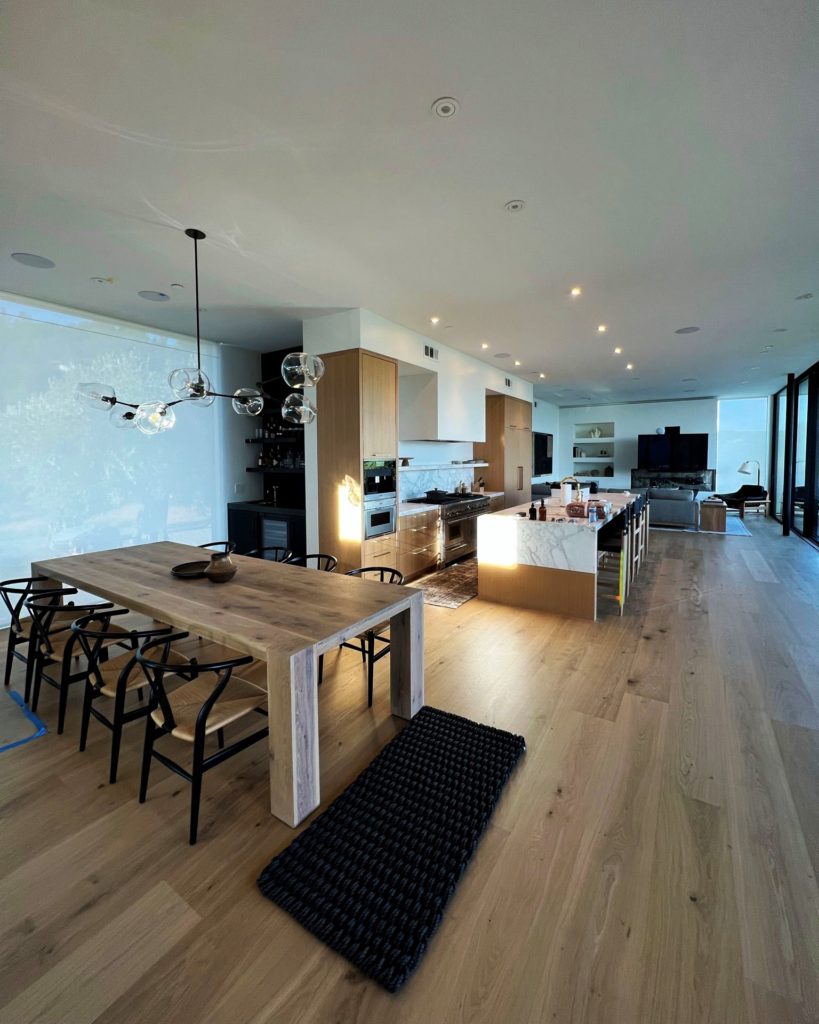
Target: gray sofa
(673,506)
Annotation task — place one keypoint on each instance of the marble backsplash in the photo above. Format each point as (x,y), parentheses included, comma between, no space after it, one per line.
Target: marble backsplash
(415,483)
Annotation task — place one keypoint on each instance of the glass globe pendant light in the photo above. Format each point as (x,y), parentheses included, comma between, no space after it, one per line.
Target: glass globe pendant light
(190,384)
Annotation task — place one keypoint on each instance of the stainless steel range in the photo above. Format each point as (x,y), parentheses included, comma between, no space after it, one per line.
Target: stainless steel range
(459,523)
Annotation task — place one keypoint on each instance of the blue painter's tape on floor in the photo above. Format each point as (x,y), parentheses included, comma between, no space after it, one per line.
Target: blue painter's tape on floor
(39,726)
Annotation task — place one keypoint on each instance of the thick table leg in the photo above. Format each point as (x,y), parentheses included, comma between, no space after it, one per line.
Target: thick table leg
(407,659)
(293,740)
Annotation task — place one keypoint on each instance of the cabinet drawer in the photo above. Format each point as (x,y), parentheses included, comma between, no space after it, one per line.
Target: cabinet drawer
(414,563)
(379,551)
(418,520)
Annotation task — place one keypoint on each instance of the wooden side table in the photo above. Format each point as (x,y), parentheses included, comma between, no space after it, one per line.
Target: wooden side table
(712,516)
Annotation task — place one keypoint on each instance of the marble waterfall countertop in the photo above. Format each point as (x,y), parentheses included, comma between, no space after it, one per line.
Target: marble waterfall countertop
(507,538)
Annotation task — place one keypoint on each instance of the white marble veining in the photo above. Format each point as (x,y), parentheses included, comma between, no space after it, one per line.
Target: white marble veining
(506,538)
(416,485)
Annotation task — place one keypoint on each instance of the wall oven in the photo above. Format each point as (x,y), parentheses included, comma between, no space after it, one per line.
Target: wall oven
(379,517)
(379,479)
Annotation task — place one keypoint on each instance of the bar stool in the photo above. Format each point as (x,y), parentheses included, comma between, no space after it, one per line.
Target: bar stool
(214,699)
(115,677)
(366,641)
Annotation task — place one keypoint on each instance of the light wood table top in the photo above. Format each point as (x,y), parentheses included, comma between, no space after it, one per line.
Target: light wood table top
(284,615)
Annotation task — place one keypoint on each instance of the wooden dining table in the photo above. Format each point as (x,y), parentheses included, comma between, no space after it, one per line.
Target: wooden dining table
(284,615)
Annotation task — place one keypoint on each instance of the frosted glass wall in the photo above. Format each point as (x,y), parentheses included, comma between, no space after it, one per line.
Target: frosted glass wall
(742,434)
(70,481)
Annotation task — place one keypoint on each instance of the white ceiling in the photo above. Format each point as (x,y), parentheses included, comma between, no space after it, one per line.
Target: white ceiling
(667,153)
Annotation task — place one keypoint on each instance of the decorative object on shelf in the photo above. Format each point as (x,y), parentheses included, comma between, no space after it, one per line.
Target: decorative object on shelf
(405,460)
(746,470)
(191,384)
(221,567)
(595,432)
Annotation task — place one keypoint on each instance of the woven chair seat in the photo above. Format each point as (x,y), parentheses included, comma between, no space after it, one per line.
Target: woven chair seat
(110,671)
(239,699)
(60,640)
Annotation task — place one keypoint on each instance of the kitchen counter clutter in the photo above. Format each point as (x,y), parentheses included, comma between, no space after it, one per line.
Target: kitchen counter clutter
(549,565)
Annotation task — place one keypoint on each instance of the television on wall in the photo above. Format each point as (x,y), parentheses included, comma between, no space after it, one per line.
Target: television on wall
(541,453)
(679,453)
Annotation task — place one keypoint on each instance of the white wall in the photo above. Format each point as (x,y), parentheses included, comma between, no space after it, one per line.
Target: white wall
(695,417)
(71,481)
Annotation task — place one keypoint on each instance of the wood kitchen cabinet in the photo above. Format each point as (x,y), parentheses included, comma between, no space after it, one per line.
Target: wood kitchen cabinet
(508,448)
(379,404)
(357,421)
(418,543)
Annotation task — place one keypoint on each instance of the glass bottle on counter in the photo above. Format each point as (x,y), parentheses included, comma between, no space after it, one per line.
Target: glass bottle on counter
(542,511)
(532,511)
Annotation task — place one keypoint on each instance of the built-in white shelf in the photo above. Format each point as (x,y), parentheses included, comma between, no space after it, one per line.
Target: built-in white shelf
(442,465)
(596,440)
(594,458)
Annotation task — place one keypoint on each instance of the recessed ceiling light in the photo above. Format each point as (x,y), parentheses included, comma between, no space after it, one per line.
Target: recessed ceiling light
(542,376)
(780,330)
(688,380)
(514,206)
(102,280)
(754,367)
(154,296)
(517,362)
(445,106)
(501,355)
(601,328)
(176,284)
(618,351)
(29,259)
(767,348)
(629,366)
(576,291)
(806,295)
(686,330)
(484,345)
(434,320)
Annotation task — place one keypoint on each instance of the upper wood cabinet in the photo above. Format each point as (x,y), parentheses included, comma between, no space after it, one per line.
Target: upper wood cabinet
(508,448)
(379,407)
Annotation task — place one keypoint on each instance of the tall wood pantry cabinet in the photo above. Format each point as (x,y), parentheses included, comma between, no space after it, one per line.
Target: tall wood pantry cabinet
(508,448)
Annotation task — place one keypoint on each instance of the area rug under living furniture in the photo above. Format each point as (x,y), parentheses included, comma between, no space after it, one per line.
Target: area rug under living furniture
(371,877)
(450,587)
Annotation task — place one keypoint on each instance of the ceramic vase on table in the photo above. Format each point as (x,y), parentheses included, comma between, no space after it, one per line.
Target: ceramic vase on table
(222,568)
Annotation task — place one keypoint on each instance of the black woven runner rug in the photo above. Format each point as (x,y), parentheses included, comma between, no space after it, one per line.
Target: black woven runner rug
(372,875)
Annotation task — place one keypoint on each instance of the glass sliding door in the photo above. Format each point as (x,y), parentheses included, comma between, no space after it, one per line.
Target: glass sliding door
(780,413)
(800,456)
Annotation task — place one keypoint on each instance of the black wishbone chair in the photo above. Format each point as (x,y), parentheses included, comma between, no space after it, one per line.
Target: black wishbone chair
(213,699)
(116,677)
(274,553)
(226,546)
(55,645)
(14,594)
(365,642)
(324,563)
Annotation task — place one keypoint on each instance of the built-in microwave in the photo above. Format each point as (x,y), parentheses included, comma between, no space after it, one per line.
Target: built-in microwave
(379,517)
(379,479)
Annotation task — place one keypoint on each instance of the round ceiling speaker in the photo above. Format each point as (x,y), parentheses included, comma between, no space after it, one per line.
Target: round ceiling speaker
(445,106)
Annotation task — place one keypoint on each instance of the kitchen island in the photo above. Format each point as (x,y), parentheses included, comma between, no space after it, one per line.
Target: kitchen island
(550,566)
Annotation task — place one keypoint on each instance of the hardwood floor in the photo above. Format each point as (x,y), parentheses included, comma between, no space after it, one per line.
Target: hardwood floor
(652,861)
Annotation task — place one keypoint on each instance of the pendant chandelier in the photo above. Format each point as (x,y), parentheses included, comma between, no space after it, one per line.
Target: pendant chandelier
(191,384)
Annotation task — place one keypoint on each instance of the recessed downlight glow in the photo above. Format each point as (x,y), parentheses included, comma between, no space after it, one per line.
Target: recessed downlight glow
(576,291)
(484,345)
(618,351)
(517,362)
(434,320)
(629,366)
(601,328)
(542,376)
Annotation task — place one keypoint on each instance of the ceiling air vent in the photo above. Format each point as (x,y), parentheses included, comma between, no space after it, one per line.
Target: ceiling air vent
(430,352)
(508,382)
